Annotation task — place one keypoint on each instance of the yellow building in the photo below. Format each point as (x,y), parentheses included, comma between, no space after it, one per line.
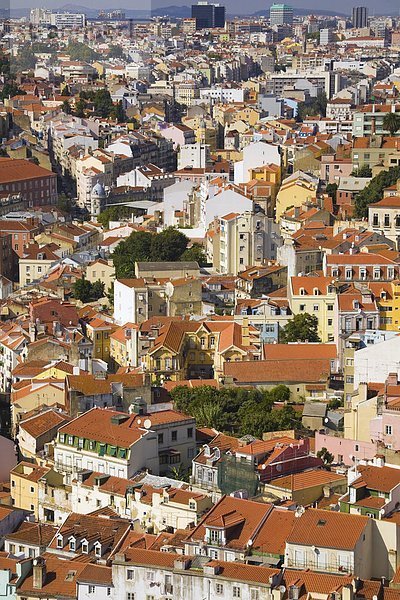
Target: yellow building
(358,415)
(98,331)
(316,296)
(124,345)
(189,350)
(102,270)
(24,481)
(271,174)
(295,191)
(387,296)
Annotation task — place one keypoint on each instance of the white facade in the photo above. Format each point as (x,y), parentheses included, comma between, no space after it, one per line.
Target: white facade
(255,155)
(376,361)
(195,156)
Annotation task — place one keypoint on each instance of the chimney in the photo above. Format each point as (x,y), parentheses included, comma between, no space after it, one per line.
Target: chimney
(347,592)
(39,573)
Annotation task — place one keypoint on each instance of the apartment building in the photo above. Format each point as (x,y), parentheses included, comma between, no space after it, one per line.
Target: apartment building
(120,444)
(36,185)
(316,296)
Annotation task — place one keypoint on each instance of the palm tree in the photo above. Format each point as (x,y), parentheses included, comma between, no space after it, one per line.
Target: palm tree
(391,122)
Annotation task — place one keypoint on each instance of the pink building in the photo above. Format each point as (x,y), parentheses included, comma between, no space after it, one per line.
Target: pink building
(345,451)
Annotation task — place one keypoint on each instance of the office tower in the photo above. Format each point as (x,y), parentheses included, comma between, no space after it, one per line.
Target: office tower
(281,14)
(360,16)
(325,37)
(208,15)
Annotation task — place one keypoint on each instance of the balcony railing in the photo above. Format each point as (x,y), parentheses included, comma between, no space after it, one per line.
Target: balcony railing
(315,565)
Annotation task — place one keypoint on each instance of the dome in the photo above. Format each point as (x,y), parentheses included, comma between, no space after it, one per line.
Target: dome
(99,191)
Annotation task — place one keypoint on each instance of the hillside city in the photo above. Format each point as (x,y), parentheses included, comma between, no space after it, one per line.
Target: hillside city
(199,304)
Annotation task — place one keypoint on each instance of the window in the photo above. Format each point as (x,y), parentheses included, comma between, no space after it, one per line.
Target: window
(254,595)
(192,505)
(150,575)
(329,307)
(130,574)
(70,440)
(59,542)
(85,548)
(388,430)
(236,591)
(174,435)
(32,490)
(316,307)
(160,438)
(72,544)
(130,596)
(386,222)
(108,591)
(302,307)
(190,432)
(349,273)
(330,322)
(219,588)
(91,589)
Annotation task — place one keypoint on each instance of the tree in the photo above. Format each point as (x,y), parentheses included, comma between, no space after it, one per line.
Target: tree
(103,104)
(391,122)
(115,213)
(117,112)
(9,90)
(66,107)
(79,51)
(331,190)
(85,291)
(303,327)
(373,192)
(80,107)
(325,456)
(195,253)
(81,290)
(363,171)
(168,245)
(115,51)
(137,247)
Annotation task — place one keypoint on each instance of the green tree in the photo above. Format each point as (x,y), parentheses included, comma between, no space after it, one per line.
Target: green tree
(115,51)
(195,253)
(79,51)
(98,290)
(325,456)
(103,104)
(168,245)
(64,203)
(81,290)
(66,107)
(303,327)
(80,108)
(85,291)
(331,190)
(363,171)
(373,192)
(115,213)
(117,112)
(391,122)
(9,90)
(137,247)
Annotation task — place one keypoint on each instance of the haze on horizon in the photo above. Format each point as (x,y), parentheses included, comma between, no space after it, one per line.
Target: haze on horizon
(388,7)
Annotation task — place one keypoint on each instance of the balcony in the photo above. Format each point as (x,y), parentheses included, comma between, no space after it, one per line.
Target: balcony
(315,565)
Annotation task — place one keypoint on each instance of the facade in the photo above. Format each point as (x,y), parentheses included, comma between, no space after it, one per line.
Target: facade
(35,184)
(281,14)
(208,15)
(359,16)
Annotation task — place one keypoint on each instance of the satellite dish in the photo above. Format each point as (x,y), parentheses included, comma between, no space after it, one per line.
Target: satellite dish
(147,423)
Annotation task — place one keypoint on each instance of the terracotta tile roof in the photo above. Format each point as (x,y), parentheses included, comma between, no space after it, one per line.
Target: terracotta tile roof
(382,479)
(37,534)
(89,385)
(314,477)
(60,575)
(298,351)
(327,529)
(271,371)
(98,424)
(46,421)
(21,170)
(99,574)
(241,517)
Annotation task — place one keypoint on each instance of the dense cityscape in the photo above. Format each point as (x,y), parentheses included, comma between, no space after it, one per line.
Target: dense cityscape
(199,279)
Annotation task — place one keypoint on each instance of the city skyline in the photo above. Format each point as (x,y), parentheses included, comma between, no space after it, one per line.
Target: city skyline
(386,7)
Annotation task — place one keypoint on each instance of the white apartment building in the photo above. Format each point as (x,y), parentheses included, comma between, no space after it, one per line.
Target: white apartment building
(194,156)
